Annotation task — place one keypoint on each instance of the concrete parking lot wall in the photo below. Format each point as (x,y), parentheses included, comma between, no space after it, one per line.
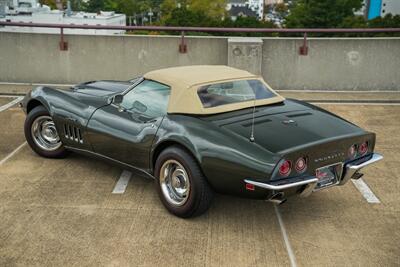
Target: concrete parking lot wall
(331,64)
(36,58)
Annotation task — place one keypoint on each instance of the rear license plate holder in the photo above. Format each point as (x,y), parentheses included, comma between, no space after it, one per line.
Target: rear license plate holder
(329,175)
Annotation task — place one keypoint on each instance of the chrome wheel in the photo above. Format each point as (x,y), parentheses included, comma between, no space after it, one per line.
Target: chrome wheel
(174,182)
(44,133)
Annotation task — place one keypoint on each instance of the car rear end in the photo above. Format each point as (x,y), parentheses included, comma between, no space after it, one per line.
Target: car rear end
(315,166)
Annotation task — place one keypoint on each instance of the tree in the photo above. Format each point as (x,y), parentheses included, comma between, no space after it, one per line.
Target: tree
(321,13)
(167,7)
(211,8)
(186,17)
(95,6)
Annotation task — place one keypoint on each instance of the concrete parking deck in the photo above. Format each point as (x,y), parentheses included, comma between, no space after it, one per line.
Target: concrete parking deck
(63,212)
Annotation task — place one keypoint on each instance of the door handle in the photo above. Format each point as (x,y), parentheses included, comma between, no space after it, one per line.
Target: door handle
(152,121)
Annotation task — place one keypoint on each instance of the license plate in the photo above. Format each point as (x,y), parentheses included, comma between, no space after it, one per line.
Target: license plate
(328,175)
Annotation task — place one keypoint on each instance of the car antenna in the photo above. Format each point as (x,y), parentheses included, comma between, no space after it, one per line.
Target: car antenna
(252,123)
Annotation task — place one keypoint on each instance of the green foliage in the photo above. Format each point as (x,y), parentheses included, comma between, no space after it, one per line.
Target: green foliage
(212,13)
(321,13)
(211,8)
(167,8)
(247,22)
(189,18)
(95,5)
(389,21)
(353,22)
(128,7)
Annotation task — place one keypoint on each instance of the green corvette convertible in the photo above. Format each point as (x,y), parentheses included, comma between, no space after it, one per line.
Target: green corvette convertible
(197,130)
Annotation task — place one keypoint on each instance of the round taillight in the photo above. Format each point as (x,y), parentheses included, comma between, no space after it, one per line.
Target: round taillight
(301,165)
(363,149)
(352,152)
(285,168)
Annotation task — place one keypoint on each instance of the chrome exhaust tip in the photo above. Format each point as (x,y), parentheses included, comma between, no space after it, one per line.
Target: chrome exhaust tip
(278,198)
(357,176)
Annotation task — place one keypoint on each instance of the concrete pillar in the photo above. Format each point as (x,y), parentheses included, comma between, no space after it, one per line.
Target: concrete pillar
(245,53)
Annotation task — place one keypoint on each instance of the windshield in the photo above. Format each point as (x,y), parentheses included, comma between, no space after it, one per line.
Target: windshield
(233,92)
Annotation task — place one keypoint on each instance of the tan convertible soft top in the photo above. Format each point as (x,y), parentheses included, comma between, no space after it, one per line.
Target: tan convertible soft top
(184,82)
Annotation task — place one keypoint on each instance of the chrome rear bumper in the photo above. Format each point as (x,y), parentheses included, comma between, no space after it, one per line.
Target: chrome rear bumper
(350,170)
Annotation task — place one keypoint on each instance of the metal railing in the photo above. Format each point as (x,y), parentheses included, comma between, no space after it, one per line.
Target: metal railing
(183,46)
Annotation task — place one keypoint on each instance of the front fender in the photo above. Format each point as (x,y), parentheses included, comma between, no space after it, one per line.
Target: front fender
(34,95)
(67,108)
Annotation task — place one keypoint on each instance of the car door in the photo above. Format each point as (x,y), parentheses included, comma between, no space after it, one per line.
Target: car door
(125,132)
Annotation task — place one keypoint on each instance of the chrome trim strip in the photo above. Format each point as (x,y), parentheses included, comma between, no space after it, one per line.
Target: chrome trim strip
(353,169)
(281,187)
(88,152)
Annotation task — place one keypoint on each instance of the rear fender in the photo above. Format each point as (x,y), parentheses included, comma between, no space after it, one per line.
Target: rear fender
(226,159)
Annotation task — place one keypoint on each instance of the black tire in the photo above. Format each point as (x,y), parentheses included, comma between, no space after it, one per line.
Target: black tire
(200,194)
(39,111)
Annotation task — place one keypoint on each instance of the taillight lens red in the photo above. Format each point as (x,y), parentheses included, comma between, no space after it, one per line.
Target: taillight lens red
(363,149)
(285,168)
(301,165)
(352,152)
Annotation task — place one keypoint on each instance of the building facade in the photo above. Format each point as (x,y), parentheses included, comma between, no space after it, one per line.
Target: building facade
(380,8)
(253,6)
(30,11)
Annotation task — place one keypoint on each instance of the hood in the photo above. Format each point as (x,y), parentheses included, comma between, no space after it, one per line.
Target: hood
(102,88)
(289,125)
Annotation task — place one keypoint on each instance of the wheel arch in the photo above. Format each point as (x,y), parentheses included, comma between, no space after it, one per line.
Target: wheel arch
(164,145)
(33,103)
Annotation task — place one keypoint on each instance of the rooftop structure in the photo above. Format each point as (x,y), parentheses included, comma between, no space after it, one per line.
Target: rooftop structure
(256,6)
(241,11)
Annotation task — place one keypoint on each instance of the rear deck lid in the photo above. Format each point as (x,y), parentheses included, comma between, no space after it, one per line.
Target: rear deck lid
(295,125)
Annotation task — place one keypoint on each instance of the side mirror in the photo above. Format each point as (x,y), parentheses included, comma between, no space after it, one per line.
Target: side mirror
(117,99)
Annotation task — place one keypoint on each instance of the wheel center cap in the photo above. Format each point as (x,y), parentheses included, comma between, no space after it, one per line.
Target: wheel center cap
(49,132)
(176,182)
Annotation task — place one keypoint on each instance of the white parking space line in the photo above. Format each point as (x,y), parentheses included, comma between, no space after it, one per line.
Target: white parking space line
(9,96)
(10,104)
(36,84)
(289,250)
(12,153)
(122,183)
(365,191)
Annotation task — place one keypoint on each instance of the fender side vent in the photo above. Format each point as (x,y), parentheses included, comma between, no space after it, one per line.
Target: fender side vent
(73,133)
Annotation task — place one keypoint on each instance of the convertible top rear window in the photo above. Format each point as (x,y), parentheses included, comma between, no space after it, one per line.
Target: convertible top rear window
(219,94)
